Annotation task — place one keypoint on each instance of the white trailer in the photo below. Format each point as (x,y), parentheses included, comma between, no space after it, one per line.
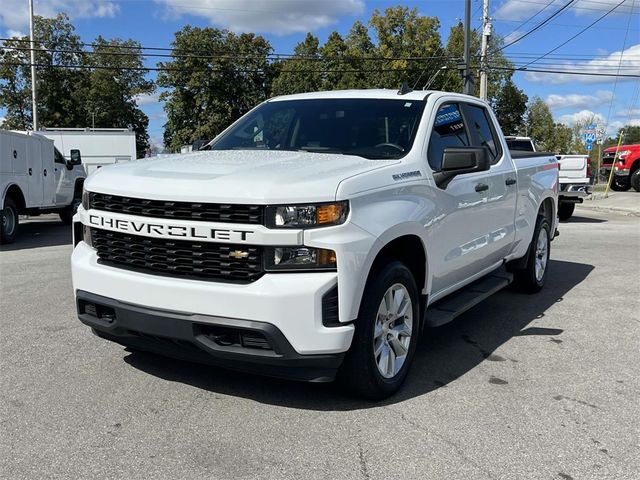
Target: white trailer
(36,178)
(99,146)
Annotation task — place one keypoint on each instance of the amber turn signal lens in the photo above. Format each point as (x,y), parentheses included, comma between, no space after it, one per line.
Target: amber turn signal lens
(330,213)
(326,257)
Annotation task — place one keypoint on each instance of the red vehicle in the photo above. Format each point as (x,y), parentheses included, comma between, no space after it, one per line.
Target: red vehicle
(626,170)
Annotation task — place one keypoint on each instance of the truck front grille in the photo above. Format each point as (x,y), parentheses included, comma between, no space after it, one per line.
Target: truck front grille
(211,212)
(178,258)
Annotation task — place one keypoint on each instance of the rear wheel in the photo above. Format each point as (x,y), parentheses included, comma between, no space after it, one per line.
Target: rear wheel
(386,334)
(565,210)
(10,222)
(532,277)
(635,180)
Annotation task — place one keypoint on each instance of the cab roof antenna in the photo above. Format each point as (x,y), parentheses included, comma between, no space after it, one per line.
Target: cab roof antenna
(404,89)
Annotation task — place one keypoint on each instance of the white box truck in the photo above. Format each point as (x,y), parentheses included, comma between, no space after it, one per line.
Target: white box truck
(36,178)
(99,146)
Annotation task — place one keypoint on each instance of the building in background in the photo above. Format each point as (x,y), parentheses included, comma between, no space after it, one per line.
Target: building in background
(99,146)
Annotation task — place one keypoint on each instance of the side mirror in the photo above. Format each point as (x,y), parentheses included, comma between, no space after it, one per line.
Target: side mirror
(75,158)
(459,160)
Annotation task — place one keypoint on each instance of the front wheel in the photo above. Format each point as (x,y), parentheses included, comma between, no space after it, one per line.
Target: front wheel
(532,277)
(10,222)
(620,185)
(67,214)
(565,210)
(386,334)
(635,180)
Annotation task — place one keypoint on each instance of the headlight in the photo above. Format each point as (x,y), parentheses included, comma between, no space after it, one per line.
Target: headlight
(85,199)
(307,216)
(623,153)
(299,258)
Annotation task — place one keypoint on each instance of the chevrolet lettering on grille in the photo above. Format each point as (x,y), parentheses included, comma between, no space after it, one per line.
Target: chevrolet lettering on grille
(185,232)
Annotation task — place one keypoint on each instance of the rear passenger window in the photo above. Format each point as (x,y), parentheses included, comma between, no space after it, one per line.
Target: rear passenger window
(482,135)
(448,131)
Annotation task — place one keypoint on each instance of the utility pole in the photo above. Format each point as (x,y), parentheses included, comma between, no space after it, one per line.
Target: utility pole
(34,92)
(486,33)
(467,80)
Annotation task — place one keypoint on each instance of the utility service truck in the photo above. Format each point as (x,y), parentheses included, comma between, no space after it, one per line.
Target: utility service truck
(36,178)
(318,236)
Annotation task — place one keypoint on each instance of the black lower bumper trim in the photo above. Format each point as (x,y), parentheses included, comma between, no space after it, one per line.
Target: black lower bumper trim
(244,345)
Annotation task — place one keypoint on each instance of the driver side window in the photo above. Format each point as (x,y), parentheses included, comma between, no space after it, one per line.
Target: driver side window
(58,157)
(449,130)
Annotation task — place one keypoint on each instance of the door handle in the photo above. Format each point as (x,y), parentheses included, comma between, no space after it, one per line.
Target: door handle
(481,187)
(510,181)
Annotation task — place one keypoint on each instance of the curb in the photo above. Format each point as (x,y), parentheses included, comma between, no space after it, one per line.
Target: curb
(624,211)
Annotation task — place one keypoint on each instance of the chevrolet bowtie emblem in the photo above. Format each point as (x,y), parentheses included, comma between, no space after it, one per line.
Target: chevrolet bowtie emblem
(238,254)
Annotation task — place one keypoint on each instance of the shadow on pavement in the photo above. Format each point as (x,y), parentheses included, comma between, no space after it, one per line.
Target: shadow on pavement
(444,354)
(577,219)
(40,233)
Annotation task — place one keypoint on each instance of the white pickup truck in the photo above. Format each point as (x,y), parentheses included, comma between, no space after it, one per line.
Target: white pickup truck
(317,237)
(574,176)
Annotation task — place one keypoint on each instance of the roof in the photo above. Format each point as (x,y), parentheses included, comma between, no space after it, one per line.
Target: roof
(381,93)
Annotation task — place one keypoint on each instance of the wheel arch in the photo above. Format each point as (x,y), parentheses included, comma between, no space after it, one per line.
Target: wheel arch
(14,192)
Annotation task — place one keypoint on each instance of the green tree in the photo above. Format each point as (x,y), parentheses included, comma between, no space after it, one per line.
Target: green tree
(510,105)
(540,125)
(114,78)
(75,86)
(215,77)
(302,72)
(402,34)
(58,101)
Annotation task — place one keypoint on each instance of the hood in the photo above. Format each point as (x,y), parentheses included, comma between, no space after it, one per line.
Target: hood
(622,147)
(233,176)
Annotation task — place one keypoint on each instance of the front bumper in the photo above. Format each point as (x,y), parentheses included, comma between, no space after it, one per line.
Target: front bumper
(289,302)
(237,344)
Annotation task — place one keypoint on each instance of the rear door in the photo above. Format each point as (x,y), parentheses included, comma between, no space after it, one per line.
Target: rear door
(499,207)
(28,158)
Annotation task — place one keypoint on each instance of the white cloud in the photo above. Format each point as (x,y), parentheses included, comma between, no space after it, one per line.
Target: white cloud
(279,17)
(15,33)
(14,14)
(606,65)
(575,100)
(631,112)
(2,119)
(147,98)
(520,10)
(581,117)
(617,125)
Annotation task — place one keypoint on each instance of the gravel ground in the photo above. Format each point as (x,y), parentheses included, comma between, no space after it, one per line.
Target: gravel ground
(520,387)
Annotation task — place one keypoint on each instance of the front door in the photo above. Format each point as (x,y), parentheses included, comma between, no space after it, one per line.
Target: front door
(457,235)
(64,179)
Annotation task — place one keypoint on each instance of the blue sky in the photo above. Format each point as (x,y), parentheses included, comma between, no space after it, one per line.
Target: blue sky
(285,22)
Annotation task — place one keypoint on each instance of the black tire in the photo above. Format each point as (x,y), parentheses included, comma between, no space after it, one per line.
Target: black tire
(360,373)
(527,279)
(565,210)
(67,214)
(635,180)
(621,185)
(9,222)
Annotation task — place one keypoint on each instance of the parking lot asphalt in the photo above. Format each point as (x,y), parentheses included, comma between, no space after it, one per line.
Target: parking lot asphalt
(539,386)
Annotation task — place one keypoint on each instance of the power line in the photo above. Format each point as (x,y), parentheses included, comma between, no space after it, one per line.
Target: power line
(530,18)
(301,71)
(576,35)
(539,25)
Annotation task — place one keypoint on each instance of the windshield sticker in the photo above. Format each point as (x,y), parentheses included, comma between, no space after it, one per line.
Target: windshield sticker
(406,175)
(408,104)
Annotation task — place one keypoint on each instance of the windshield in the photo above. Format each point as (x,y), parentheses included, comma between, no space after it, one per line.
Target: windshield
(371,128)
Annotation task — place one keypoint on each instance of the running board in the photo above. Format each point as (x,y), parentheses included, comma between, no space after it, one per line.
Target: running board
(445,310)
